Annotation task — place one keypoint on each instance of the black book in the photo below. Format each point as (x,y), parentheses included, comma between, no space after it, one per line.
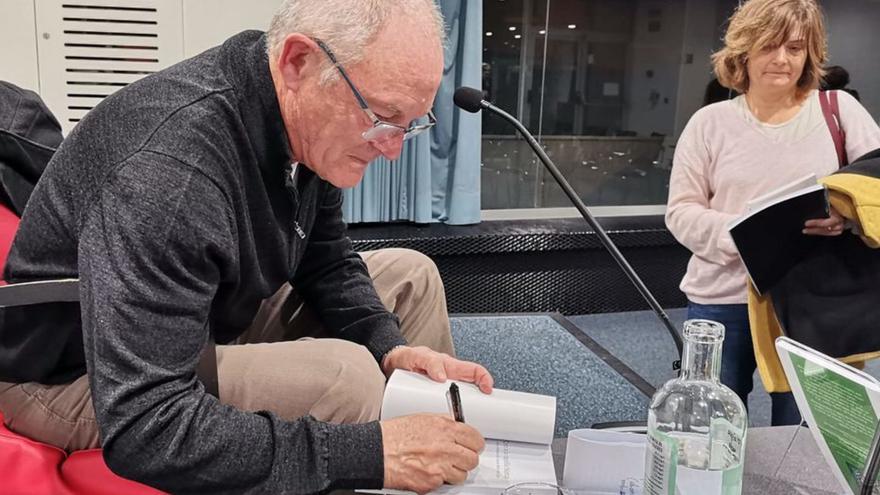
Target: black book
(770,237)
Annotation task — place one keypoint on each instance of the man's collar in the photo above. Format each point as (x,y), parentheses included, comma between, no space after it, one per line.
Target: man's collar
(247,66)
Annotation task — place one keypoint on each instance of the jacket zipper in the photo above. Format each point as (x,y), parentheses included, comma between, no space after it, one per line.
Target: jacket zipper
(290,185)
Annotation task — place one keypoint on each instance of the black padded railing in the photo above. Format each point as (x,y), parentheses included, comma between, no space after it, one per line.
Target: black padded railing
(542,265)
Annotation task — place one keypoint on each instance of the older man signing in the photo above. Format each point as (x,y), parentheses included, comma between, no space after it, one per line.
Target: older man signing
(203,203)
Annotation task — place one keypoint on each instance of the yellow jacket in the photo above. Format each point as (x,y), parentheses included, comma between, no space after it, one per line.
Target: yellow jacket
(856,196)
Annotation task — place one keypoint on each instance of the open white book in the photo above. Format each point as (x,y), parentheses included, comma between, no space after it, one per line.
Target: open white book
(840,404)
(518,428)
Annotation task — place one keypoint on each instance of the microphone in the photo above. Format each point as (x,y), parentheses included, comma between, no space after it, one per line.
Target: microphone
(471,100)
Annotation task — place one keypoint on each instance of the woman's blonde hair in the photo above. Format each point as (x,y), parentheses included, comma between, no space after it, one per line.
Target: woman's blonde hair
(762,23)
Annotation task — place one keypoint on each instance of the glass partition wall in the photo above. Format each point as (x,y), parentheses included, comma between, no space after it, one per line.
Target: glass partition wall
(594,81)
(607,87)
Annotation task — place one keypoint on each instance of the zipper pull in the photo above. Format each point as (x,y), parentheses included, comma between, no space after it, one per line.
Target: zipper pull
(299,230)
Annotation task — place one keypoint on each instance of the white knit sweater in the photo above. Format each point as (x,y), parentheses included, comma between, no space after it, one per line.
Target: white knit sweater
(724,158)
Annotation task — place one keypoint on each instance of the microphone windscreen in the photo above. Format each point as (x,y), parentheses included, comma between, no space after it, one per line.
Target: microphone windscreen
(468,99)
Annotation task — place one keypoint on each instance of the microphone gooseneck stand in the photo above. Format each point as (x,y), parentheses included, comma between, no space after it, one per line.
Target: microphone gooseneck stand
(471,100)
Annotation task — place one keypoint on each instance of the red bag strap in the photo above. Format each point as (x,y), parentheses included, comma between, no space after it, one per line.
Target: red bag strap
(831,111)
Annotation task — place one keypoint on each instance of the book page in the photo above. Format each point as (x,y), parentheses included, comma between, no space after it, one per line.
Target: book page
(502,415)
(772,196)
(504,463)
(750,212)
(841,405)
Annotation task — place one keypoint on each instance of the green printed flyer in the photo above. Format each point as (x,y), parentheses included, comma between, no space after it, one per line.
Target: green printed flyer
(843,414)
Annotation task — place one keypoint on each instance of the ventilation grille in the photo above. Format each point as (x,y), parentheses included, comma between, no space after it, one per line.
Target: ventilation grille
(92,48)
(106,48)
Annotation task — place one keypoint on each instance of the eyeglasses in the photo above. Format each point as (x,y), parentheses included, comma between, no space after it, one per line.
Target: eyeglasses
(381,130)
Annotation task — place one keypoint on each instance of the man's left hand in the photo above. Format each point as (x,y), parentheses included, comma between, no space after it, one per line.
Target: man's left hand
(437,366)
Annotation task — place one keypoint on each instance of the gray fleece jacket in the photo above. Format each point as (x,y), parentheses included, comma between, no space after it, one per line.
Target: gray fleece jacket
(169,202)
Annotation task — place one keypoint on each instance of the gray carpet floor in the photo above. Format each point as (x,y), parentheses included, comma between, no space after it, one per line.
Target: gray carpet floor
(639,339)
(535,354)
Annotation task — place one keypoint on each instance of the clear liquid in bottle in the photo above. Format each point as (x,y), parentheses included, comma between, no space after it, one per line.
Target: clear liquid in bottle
(696,425)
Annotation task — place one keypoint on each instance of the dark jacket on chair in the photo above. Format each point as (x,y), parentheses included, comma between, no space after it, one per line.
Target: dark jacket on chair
(29,136)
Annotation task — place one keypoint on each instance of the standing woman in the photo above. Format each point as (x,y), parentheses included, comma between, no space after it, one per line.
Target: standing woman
(736,150)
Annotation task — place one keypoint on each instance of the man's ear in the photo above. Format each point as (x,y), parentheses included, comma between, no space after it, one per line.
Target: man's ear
(295,62)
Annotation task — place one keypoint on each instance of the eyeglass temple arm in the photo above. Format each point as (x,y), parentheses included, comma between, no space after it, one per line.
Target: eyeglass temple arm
(432,119)
(357,94)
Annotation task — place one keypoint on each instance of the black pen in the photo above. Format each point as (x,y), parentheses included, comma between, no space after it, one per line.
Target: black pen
(454,401)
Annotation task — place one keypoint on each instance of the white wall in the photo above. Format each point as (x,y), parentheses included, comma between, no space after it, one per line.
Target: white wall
(207,23)
(18,44)
(853,43)
(659,52)
(699,42)
(853,38)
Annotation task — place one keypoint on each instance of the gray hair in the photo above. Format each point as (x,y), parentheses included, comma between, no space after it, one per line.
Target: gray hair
(346,26)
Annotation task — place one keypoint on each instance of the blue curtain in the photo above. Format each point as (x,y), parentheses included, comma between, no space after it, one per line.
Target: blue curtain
(437,178)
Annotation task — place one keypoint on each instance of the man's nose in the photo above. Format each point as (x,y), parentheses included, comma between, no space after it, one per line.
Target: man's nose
(390,147)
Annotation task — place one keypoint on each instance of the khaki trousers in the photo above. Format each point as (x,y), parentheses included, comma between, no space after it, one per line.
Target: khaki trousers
(283,363)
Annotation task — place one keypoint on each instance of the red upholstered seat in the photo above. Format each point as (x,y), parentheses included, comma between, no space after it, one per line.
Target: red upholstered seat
(28,467)
(8,226)
(34,468)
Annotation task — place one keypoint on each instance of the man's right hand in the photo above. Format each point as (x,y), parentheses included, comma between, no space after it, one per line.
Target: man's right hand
(425,450)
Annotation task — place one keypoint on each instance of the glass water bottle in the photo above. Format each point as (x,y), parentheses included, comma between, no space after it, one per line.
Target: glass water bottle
(696,425)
